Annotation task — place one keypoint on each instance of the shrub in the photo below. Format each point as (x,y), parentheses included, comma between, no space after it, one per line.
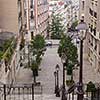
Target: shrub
(69,82)
(90,87)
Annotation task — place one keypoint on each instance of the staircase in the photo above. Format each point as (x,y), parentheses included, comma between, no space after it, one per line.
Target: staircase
(47,97)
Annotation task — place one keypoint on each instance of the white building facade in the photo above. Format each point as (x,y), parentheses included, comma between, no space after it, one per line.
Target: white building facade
(89,10)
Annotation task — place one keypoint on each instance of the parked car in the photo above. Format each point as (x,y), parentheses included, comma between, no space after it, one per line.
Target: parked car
(49,43)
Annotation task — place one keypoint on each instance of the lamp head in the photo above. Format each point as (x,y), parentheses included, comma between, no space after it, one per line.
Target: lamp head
(82,29)
(63,58)
(55,73)
(57,67)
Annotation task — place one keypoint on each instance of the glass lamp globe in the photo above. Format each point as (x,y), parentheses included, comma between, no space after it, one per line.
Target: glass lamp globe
(57,67)
(63,58)
(82,30)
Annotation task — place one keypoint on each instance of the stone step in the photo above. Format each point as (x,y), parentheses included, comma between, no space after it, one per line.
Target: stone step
(47,97)
(36,97)
(40,97)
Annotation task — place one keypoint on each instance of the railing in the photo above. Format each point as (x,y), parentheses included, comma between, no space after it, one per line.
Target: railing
(71,94)
(19,91)
(94,95)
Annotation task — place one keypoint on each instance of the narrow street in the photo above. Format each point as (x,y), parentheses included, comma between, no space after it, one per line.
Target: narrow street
(46,74)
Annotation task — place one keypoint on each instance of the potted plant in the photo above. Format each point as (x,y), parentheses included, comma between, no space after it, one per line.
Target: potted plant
(90,89)
(69,82)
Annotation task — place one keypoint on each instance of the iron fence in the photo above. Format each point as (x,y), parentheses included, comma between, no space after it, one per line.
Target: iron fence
(93,95)
(19,91)
(71,94)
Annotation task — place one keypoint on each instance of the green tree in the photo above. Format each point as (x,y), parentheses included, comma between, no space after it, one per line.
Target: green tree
(90,87)
(70,50)
(38,48)
(38,45)
(56,28)
(38,42)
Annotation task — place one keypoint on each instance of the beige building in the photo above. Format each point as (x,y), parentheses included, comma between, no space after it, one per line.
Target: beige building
(12,21)
(89,10)
(11,15)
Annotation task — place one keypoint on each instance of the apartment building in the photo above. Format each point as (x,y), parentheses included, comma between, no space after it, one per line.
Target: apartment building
(12,21)
(67,9)
(89,10)
(11,15)
(41,15)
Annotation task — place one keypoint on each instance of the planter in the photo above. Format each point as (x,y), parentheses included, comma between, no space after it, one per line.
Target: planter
(90,87)
(69,82)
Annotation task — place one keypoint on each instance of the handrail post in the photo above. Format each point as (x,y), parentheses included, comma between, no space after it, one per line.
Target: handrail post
(4,92)
(32,91)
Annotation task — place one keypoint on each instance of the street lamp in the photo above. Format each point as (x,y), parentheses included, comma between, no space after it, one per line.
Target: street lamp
(55,74)
(82,31)
(64,61)
(57,85)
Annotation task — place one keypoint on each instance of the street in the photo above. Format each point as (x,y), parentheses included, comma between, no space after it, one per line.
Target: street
(46,74)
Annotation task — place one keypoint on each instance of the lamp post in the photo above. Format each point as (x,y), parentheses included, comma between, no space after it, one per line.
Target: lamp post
(82,30)
(63,59)
(57,85)
(55,74)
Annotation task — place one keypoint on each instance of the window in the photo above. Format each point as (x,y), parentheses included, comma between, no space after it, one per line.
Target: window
(91,28)
(32,35)
(99,49)
(95,14)
(83,5)
(91,12)
(32,15)
(94,31)
(95,47)
(31,4)
(99,35)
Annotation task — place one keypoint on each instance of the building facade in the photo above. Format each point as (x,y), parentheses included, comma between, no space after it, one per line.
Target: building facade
(12,21)
(41,11)
(11,15)
(36,14)
(89,10)
(67,9)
